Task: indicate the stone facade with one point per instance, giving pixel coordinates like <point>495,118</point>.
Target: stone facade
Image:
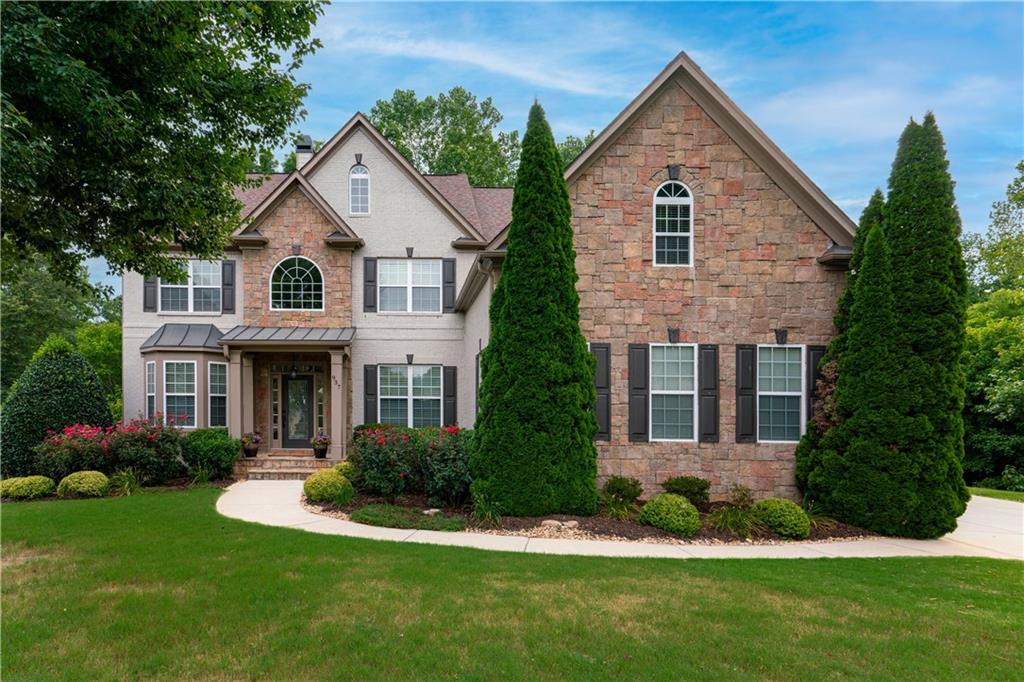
<point>296,222</point>
<point>754,270</point>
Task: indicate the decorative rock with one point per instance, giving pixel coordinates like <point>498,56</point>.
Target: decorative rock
<point>431,512</point>
<point>551,523</point>
<point>571,524</point>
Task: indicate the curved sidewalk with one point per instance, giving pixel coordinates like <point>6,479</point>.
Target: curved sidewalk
<point>989,528</point>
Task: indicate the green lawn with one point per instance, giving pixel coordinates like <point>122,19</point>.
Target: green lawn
<point>160,586</point>
<point>998,494</point>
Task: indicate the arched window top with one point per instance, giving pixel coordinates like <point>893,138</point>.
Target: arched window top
<point>296,284</point>
<point>673,190</point>
<point>359,190</point>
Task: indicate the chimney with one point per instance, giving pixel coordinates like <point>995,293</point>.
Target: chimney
<point>303,151</point>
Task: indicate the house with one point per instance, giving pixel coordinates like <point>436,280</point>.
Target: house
<point>356,290</point>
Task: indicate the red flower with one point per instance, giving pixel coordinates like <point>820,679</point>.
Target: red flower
<point>401,475</point>
<point>381,441</point>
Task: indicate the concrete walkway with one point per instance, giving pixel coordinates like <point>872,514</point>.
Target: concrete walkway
<point>989,528</point>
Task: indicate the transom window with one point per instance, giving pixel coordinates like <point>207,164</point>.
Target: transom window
<point>296,284</point>
<point>180,392</point>
<point>359,190</point>
<point>150,391</point>
<point>409,395</point>
<point>409,285</point>
<point>673,225</point>
<point>673,388</point>
<point>199,293</point>
<point>780,388</point>
<point>218,385</point>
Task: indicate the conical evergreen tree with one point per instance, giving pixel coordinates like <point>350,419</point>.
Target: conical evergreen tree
<point>534,452</point>
<point>929,286</point>
<point>871,217</point>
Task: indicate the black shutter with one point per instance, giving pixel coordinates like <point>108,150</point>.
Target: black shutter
<point>814,356</point>
<point>369,394</point>
<point>227,286</point>
<point>746,393</point>
<point>707,393</point>
<point>149,293</point>
<point>451,396</point>
<point>369,285</point>
<point>639,395</point>
<point>448,285</point>
<point>602,353</point>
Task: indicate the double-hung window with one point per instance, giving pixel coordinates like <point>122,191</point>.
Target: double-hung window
<point>180,392</point>
<point>200,292</point>
<point>673,225</point>
<point>780,393</point>
<point>150,391</point>
<point>409,285</point>
<point>673,391</point>
<point>409,395</point>
<point>218,389</point>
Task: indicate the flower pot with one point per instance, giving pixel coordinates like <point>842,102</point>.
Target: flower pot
<point>320,453</point>
<point>250,450</point>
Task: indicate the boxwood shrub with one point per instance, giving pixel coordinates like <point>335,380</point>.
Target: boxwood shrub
<point>328,485</point>
<point>212,451</point>
<point>84,484</point>
<point>693,488</point>
<point>671,513</point>
<point>783,517</point>
<point>26,487</point>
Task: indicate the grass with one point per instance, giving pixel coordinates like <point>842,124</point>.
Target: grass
<point>393,516</point>
<point>1011,495</point>
<point>158,585</point>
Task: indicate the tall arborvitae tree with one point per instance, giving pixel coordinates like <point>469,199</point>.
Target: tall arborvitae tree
<point>534,452</point>
<point>929,286</point>
<point>871,217</point>
<point>869,464</point>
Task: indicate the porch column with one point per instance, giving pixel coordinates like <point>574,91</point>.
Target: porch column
<point>339,406</point>
<point>235,396</point>
<point>248,389</point>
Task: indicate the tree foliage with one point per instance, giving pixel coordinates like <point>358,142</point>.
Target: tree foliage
<point>995,260</point>
<point>534,450</point>
<point>573,146</point>
<point>127,124</point>
<point>448,134</point>
<point>100,345</point>
<point>58,389</point>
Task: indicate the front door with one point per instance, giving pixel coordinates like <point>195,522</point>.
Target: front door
<point>298,411</point>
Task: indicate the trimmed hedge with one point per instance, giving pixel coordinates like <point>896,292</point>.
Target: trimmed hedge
<point>328,485</point>
<point>57,389</point>
<point>671,513</point>
<point>695,489</point>
<point>84,484</point>
<point>783,517</point>
<point>26,487</point>
<point>211,450</point>
<point>623,488</point>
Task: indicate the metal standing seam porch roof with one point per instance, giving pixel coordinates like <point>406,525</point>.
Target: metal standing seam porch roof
<point>183,337</point>
<point>245,335</point>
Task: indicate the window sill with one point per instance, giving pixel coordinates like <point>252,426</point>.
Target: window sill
<point>171,313</point>
<point>397,313</point>
<point>673,440</point>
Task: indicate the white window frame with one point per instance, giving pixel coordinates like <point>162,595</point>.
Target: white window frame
<point>210,395</point>
<point>190,288</point>
<point>652,392</point>
<point>670,201</point>
<point>323,287</point>
<point>151,390</point>
<point>409,396</point>
<point>352,177</point>
<point>803,391</point>
<point>195,387</point>
<point>409,286</point>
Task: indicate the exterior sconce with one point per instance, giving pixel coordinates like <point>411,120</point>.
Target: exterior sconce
<point>673,335</point>
<point>780,336</point>
<point>408,359</point>
<point>408,252</point>
<point>359,159</point>
<point>673,172</point>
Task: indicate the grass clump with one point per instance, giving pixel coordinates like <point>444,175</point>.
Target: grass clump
<point>392,516</point>
<point>671,513</point>
<point>736,517</point>
<point>124,483</point>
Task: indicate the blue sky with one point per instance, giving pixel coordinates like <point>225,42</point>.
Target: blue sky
<point>832,83</point>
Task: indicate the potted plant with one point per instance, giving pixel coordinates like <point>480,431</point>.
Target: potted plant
<point>251,444</point>
<point>320,443</point>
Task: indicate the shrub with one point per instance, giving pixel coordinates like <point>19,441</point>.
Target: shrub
<point>152,451</point>
<point>672,513</point>
<point>734,520</point>
<point>212,450</point>
<point>622,488</point>
<point>783,517</point>
<point>348,470</point>
<point>57,389</point>
<point>391,516</point>
<point>26,487</point>
<point>385,457</point>
<point>328,485</point>
<point>446,466</point>
<point>124,483</point>
<point>1011,479</point>
<point>83,484</point>
<point>617,508</point>
<point>76,448</point>
<point>694,489</point>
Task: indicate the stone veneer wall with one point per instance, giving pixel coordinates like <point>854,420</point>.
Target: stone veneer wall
<point>297,222</point>
<point>754,271</point>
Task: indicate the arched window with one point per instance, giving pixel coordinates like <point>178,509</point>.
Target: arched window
<point>673,225</point>
<point>359,190</point>
<point>296,284</point>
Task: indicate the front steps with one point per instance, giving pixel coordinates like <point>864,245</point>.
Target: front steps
<point>279,467</point>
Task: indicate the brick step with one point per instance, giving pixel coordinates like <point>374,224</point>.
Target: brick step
<point>280,468</point>
<point>280,474</point>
